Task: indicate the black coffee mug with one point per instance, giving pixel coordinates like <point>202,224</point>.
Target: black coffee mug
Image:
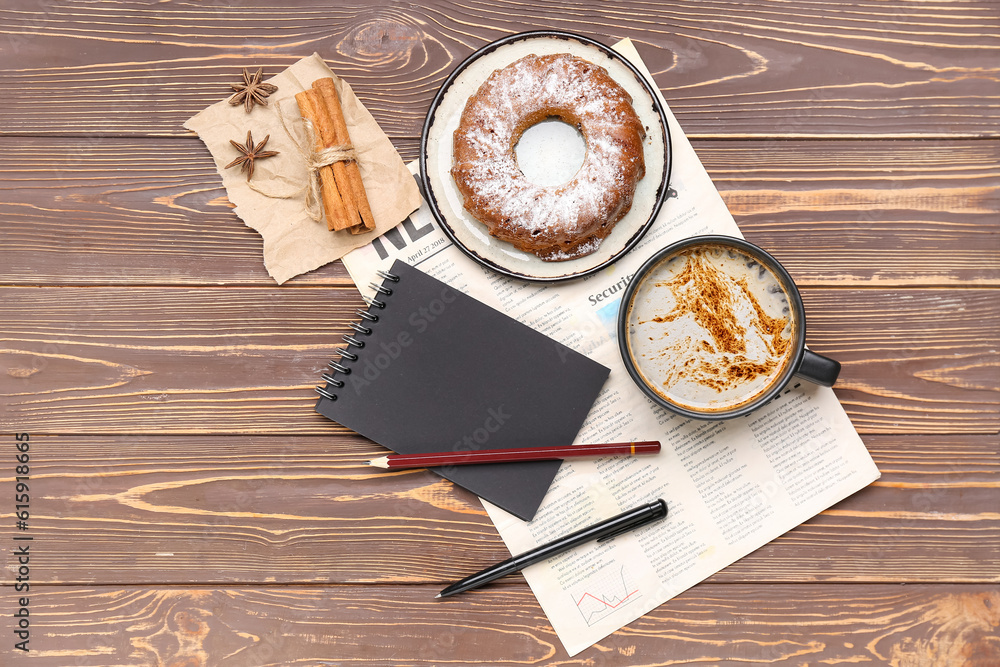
<point>713,327</point>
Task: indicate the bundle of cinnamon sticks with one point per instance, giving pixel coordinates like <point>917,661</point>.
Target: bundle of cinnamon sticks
<point>344,199</point>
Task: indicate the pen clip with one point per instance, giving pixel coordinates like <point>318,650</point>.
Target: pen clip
<point>659,513</point>
<point>623,529</point>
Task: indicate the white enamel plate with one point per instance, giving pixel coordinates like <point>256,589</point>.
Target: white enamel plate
<point>437,145</point>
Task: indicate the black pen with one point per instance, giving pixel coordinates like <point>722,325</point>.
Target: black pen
<point>601,532</point>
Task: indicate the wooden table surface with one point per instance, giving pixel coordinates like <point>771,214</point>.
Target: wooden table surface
<point>188,507</point>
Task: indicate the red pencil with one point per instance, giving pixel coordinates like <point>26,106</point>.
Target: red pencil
<point>395,461</point>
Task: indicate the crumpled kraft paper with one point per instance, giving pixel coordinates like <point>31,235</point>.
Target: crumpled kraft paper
<point>294,243</point>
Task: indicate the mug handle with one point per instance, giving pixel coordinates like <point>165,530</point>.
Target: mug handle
<point>819,369</point>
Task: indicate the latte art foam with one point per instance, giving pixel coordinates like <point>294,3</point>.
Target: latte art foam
<point>710,328</point>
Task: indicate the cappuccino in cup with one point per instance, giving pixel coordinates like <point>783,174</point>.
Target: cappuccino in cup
<point>713,327</point>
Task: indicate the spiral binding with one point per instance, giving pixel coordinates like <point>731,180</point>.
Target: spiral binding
<point>351,340</point>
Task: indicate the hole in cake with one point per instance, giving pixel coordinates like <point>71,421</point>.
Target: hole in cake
<point>550,152</point>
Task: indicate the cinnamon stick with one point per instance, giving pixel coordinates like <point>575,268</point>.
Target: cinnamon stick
<point>352,174</point>
<point>335,208</point>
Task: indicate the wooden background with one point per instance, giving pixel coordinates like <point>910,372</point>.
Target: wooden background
<point>189,508</point>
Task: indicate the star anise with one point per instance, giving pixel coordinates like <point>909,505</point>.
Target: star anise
<point>250,153</point>
<point>252,90</point>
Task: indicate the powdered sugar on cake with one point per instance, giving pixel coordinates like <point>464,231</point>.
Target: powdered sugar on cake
<point>555,222</point>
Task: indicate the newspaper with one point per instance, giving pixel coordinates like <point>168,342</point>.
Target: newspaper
<point>730,486</point>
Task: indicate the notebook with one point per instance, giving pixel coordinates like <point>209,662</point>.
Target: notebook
<point>428,369</point>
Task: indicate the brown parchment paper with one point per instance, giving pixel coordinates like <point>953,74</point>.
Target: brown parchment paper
<point>294,243</point>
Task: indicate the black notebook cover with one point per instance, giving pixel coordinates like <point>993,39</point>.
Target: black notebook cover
<point>440,371</point>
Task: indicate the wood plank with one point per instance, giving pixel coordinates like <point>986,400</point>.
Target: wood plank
<point>206,510</point>
<point>502,625</point>
<point>728,69</point>
<point>123,211</point>
<point>867,214</point>
<point>900,358</point>
<point>244,360</point>
<point>932,489</point>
